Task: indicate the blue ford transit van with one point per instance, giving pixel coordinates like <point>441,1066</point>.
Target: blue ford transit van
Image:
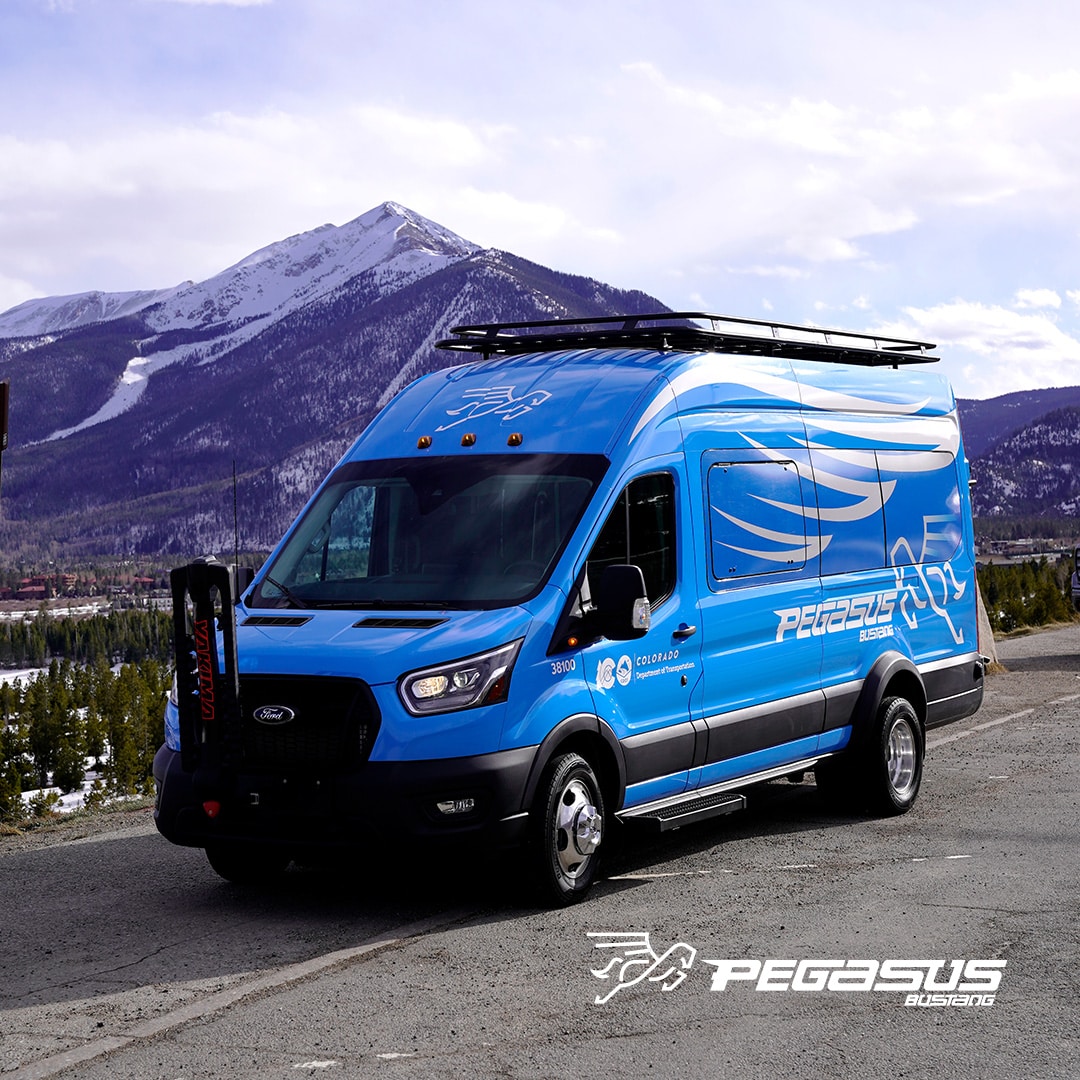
<point>606,571</point>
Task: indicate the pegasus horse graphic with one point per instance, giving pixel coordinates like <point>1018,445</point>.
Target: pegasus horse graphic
<point>635,960</point>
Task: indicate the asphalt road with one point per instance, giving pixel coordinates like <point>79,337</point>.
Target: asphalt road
<point>124,956</point>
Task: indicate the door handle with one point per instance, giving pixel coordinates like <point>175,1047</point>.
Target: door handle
<point>683,631</point>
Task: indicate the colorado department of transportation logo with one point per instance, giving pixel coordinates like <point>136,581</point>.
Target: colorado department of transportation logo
<point>608,672</point>
<point>274,714</point>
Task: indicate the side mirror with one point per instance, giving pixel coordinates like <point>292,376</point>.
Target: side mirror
<point>622,603</point>
<point>245,575</point>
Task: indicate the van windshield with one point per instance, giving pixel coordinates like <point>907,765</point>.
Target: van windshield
<point>439,532</point>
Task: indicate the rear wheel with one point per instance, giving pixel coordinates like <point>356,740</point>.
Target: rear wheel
<point>882,772</point>
<point>569,829</point>
<point>245,864</point>
<point>896,765</point>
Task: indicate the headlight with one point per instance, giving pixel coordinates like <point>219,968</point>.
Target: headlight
<point>461,684</point>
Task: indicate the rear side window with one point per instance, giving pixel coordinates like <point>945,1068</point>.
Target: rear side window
<point>641,530</point>
<point>849,495</point>
<point>922,505</point>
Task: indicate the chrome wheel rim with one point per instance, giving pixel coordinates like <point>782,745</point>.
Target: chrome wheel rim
<point>578,829</point>
<point>901,758</point>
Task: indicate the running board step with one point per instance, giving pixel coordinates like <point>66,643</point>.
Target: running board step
<point>686,813</point>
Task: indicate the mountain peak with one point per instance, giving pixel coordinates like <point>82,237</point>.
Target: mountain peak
<point>390,240</point>
<point>413,229</point>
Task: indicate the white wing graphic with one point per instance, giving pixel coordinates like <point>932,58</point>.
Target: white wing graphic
<point>634,960</point>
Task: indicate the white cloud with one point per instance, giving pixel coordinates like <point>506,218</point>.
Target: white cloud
<point>13,292</point>
<point>791,273</point>
<point>817,179</point>
<point>1036,298</point>
<point>1013,350</point>
<point>184,200</point>
<point>501,219</point>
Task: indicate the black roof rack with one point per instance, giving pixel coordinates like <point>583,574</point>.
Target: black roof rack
<point>674,330</point>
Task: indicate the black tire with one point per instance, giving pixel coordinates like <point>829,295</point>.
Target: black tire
<point>247,864</point>
<point>895,758</point>
<point>568,829</point>
<point>882,772</point>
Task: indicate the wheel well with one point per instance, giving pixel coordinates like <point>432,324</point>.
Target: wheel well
<point>907,685</point>
<point>592,747</point>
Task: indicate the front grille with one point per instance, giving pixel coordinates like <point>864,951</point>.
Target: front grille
<point>333,726</point>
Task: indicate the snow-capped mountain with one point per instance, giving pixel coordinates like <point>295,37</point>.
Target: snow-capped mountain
<point>125,428</point>
<point>392,245</point>
<point>54,314</point>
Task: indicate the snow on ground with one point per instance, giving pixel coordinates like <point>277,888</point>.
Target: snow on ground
<point>91,606</point>
<point>73,800</point>
<point>26,673</point>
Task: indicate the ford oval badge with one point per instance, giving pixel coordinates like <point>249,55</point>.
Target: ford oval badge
<point>274,714</point>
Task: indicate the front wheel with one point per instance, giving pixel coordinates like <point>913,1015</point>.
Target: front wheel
<point>569,829</point>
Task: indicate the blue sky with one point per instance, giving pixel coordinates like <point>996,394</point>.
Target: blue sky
<point>913,168</point>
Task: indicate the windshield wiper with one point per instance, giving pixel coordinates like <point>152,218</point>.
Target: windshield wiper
<point>285,591</point>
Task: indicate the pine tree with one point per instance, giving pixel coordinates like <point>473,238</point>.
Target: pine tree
<point>11,809</point>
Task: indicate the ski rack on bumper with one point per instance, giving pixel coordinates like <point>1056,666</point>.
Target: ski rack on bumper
<point>208,693</point>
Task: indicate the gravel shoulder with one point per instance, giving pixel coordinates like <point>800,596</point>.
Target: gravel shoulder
<point>80,827</point>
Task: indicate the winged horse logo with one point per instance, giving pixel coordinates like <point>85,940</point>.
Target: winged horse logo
<point>634,960</point>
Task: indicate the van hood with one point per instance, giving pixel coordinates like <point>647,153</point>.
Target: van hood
<point>376,646</point>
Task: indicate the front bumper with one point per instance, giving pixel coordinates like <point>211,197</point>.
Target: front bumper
<point>379,803</point>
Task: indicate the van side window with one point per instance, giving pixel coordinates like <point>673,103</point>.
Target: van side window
<point>757,519</point>
<point>641,530</point>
